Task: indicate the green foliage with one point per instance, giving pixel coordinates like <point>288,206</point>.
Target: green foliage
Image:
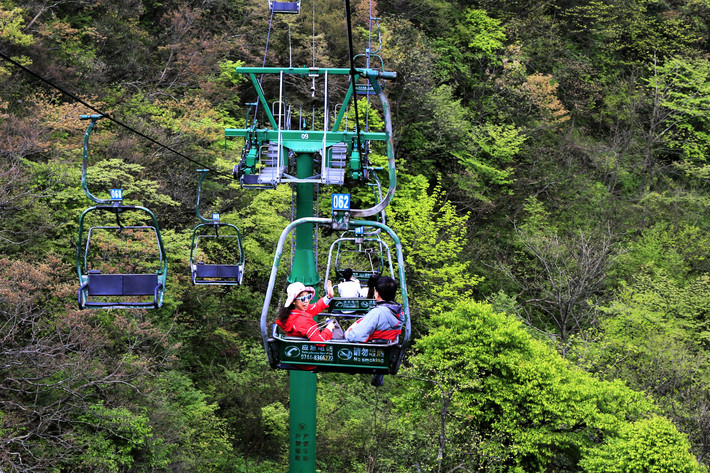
<point>228,72</point>
<point>473,45</point>
<point>119,436</point>
<point>631,33</point>
<point>683,86</point>
<point>655,335</point>
<point>115,173</point>
<point>432,235</point>
<point>498,393</point>
<point>275,419</point>
<point>11,26</point>
<point>75,45</point>
<point>251,398</point>
<point>358,428</point>
<point>685,304</point>
<point>189,433</point>
<point>368,115</point>
<point>442,129</point>
<point>559,276</point>
<point>24,223</point>
<point>647,445</point>
<point>488,165</point>
<point>482,35</point>
<point>677,252</point>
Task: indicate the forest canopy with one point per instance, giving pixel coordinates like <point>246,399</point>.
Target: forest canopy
<point>552,201</point>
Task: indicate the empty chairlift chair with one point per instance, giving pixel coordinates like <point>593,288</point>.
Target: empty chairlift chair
<point>121,265</point>
<point>336,162</point>
<point>229,267</point>
<point>272,164</point>
<point>106,282</point>
<point>216,252</point>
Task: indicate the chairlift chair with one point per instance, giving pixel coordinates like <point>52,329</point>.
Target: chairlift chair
<point>366,248</point>
<point>374,357</point>
<point>216,274</point>
<point>102,283</point>
<point>285,7</point>
<point>225,267</point>
<point>108,288</point>
<point>369,249</point>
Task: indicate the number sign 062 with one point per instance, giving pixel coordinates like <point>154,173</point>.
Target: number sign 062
<point>341,201</point>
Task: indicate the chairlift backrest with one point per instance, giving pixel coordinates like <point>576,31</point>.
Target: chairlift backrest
<point>285,7</point>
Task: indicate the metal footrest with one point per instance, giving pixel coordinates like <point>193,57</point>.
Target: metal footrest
<point>335,168</point>
<point>272,171</point>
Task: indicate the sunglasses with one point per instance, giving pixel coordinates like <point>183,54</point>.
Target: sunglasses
<point>305,298</point>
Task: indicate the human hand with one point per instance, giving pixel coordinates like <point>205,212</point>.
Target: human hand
<point>331,325</point>
<point>329,289</point>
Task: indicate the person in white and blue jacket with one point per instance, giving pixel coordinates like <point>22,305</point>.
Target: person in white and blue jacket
<point>384,321</point>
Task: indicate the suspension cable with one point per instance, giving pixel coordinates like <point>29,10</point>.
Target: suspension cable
<point>105,115</point>
<point>263,62</point>
<point>353,72</point>
<point>313,48</point>
<point>367,65</point>
<point>313,34</point>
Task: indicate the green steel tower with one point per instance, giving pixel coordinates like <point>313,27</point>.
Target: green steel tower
<point>319,155</point>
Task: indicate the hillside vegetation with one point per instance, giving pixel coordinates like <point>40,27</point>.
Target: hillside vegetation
<point>553,200</point>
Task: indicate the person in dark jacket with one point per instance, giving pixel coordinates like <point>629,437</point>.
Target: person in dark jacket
<point>383,322</point>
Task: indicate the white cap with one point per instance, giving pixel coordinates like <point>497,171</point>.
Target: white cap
<point>294,289</point>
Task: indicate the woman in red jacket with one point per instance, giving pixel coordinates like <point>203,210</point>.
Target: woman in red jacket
<point>296,316</point>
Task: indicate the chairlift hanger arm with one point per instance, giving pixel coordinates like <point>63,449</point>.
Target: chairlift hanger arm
<point>353,71</point>
<point>379,35</point>
<point>390,158</point>
<point>199,193</point>
<point>85,159</point>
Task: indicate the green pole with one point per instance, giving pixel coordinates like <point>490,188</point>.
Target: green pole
<point>303,384</point>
